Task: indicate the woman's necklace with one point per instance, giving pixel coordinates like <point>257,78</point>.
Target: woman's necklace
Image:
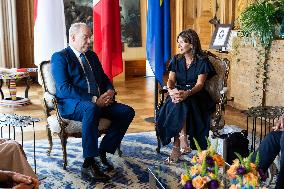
<point>188,62</point>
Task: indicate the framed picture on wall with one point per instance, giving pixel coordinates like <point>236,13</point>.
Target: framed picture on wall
<point>220,36</point>
<point>78,11</point>
<point>130,18</point>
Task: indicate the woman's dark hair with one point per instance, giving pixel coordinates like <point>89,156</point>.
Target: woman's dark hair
<point>190,36</point>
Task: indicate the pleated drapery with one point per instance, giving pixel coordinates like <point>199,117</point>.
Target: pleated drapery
<point>9,55</point>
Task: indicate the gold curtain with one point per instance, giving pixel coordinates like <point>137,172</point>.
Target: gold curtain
<point>9,55</point>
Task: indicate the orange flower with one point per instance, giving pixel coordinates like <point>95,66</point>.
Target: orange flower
<point>236,162</point>
<point>253,166</point>
<point>234,186</point>
<point>232,171</point>
<point>195,170</point>
<point>219,160</point>
<point>199,182</point>
<point>202,156</point>
<point>251,179</point>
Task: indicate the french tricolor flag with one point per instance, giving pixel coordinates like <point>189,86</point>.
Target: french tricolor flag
<point>107,36</point>
<point>49,29</point>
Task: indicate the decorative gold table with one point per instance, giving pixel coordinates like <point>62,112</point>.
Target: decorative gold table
<point>11,76</point>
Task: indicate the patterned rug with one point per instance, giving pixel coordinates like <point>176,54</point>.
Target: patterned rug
<point>139,153</point>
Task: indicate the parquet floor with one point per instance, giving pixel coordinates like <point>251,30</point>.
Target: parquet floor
<point>137,92</point>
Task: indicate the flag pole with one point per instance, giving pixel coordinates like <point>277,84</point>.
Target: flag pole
<point>152,119</point>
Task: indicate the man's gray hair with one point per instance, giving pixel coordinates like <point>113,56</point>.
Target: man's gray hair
<point>74,28</point>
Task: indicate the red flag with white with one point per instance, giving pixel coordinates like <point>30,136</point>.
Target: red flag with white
<point>49,29</point>
<point>107,36</point>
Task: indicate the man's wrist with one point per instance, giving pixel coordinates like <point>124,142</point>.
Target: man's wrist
<point>94,99</point>
<point>188,93</point>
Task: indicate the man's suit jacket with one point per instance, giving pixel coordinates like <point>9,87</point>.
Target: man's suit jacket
<point>70,80</point>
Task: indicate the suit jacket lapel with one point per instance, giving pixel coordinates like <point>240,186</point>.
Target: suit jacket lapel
<point>74,59</point>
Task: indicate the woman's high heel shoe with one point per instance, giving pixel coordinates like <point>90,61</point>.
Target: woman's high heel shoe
<point>174,157</point>
<point>184,149</point>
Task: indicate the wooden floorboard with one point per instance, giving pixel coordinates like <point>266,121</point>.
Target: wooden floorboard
<point>137,92</point>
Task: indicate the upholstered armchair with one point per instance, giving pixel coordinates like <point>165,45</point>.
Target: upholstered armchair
<point>57,125</point>
<point>217,88</point>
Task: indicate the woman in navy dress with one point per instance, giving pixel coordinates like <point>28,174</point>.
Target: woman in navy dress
<point>188,107</point>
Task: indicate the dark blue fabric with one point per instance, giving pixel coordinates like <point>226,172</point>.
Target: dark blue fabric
<point>70,80</point>
<point>90,75</point>
<point>196,109</point>
<point>121,116</point>
<point>269,148</point>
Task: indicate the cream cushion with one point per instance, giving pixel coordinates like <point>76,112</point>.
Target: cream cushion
<point>73,126</point>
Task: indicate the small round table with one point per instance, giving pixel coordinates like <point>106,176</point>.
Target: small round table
<point>11,78</point>
<point>13,121</point>
<point>266,115</point>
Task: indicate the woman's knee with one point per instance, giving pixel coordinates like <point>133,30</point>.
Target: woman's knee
<point>14,146</point>
<point>130,112</point>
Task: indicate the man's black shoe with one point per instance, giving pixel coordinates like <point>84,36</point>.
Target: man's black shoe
<point>106,164</point>
<point>94,173</point>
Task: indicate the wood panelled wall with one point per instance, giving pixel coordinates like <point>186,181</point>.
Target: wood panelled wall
<point>25,24</point>
<point>196,14</point>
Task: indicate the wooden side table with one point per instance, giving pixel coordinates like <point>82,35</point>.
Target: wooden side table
<point>11,77</point>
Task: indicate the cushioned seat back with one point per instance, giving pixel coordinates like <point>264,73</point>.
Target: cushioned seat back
<point>48,81</point>
<point>216,85</point>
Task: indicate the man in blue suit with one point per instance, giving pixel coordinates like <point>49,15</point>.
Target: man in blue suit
<point>84,93</point>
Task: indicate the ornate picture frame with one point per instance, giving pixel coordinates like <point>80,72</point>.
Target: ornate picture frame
<point>221,36</point>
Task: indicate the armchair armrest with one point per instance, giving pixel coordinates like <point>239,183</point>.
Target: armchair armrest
<point>51,103</point>
<point>49,100</point>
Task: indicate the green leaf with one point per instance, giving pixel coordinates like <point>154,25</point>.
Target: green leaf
<point>203,167</point>
<point>239,179</point>
<point>187,170</point>
<point>257,159</point>
<point>247,163</point>
<point>208,142</point>
<point>216,170</point>
<point>259,21</point>
<point>197,145</point>
<point>240,158</point>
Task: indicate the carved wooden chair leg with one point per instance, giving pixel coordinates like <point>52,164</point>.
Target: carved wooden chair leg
<point>49,137</point>
<point>63,139</point>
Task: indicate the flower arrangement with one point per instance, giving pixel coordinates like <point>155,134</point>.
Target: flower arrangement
<point>245,174</point>
<point>204,170</point>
